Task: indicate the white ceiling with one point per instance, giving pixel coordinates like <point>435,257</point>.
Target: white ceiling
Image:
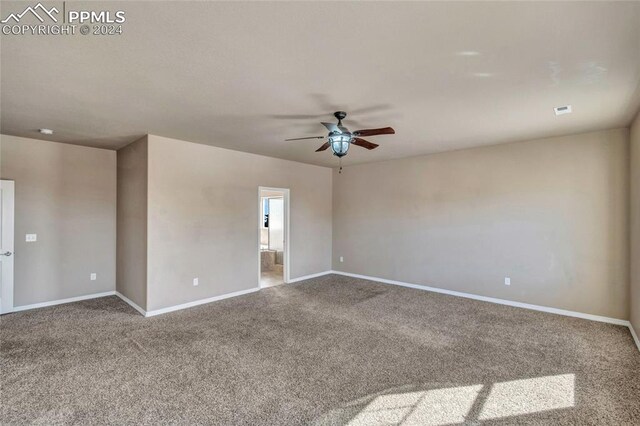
<point>224,73</point>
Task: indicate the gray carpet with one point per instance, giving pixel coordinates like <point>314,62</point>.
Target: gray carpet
<point>332,350</point>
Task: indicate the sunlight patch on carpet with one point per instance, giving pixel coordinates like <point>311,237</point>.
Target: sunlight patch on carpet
<point>454,405</point>
<point>528,396</point>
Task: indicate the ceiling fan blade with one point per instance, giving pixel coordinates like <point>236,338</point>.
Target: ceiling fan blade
<point>323,147</point>
<point>332,127</point>
<point>373,132</point>
<point>363,143</point>
<point>310,137</point>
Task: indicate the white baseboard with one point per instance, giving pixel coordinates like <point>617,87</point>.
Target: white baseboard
<point>62,301</point>
<point>492,299</point>
<point>348,274</point>
<point>634,335</point>
<point>308,277</point>
<point>131,303</point>
<point>199,302</point>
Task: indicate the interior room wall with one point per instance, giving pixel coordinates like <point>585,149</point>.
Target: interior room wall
<point>66,194</point>
<point>203,212</point>
<point>131,271</point>
<point>635,223</point>
<point>550,214</point>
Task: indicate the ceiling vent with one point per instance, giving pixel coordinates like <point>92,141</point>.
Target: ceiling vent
<point>566,109</point>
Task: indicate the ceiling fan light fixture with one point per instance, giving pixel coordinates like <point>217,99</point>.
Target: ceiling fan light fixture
<point>340,144</point>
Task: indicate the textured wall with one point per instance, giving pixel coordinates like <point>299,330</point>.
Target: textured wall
<point>131,268</point>
<point>550,214</point>
<point>203,219</point>
<point>635,224</point>
<point>65,194</point>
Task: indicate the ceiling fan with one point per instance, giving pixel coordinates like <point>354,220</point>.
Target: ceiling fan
<point>340,138</point>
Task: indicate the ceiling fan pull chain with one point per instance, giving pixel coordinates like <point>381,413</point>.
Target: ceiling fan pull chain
<point>340,160</point>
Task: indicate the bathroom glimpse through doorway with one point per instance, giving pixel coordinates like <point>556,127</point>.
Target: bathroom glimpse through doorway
<point>273,231</point>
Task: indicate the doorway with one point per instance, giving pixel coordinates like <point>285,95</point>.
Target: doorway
<point>6,245</point>
<point>273,240</point>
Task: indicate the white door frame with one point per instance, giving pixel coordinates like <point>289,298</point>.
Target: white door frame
<point>287,244</point>
<point>7,204</point>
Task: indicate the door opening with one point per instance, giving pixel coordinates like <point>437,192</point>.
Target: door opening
<point>273,230</point>
<point>6,245</point>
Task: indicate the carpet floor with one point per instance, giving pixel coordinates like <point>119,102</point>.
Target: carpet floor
<point>329,351</point>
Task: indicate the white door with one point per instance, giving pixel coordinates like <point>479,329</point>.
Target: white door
<point>276,224</point>
<point>6,246</point>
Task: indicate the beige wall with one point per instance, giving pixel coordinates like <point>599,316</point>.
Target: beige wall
<point>131,268</point>
<point>550,214</point>
<point>66,195</point>
<point>635,223</point>
<point>203,219</point>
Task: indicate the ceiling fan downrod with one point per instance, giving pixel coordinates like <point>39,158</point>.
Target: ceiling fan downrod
<point>340,115</point>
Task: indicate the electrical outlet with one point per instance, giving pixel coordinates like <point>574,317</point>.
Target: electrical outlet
<point>507,281</point>
<point>94,276</point>
<point>30,238</point>
<point>196,281</point>
<point>341,259</point>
